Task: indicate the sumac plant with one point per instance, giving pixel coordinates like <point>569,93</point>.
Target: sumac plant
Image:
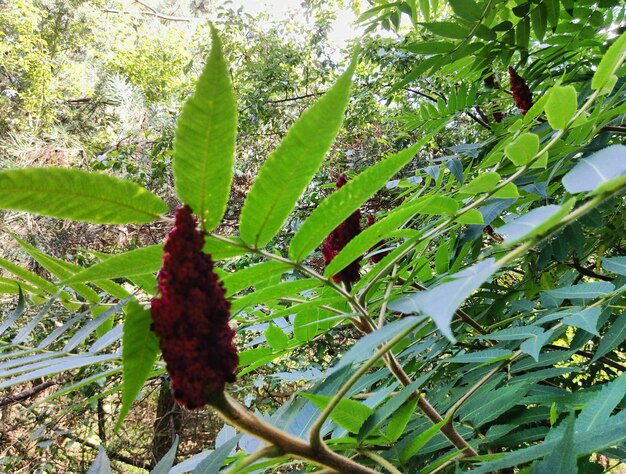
<point>488,335</point>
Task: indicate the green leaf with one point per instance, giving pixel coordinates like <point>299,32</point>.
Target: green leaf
<point>597,412</point>
<point>596,169</point>
<point>563,459</point>
<point>305,324</point>
<point>431,47</point>
<point>612,338</point>
<point>609,64</point>
<point>417,443</point>
<point>514,334</point>
<point>349,414</point>
<point>466,9</point>
<point>539,17</point>
<point>561,106</point>
<point>532,223</point>
<point>276,338</point>
<point>615,265</point>
<point>522,33</point>
<point>333,210</point>
<point>441,302</point>
<point>366,346</point>
<point>167,461</point>
<point>372,235</point>
<point>33,279</point>
<point>484,407</point>
<point>59,269</point>
<point>473,216</point>
<point>447,29</point>
<point>215,460</point>
<point>391,406</point>
<point>397,424</point>
<point>252,275</point>
<point>204,146</point>
<point>123,265</point>
<point>289,169</point>
<point>78,195</point>
<point>587,320</point>
<point>523,149</point>
<point>139,352</point>
<point>278,291</point>
<point>483,357</point>
<point>533,345</point>
<point>484,182</point>
<point>582,291</point>
<point>552,12</point>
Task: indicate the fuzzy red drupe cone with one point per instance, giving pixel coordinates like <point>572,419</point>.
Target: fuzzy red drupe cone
<point>190,317</point>
<point>339,238</point>
<point>521,92</point>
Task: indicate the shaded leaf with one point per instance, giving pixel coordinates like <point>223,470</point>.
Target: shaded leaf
<point>596,169</point>
<point>441,302</point>
<point>101,465</point>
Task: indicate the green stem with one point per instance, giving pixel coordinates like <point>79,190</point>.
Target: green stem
<point>314,436</point>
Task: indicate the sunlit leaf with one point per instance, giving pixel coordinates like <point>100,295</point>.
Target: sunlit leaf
<point>204,146</point>
<point>289,169</point>
<point>78,195</point>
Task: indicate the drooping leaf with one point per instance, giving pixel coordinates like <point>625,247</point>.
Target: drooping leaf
<point>289,169</point>
<point>78,195</point>
<point>533,345</point>
<point>596,169</point>
<point>466,9</point>
<point>612,338</point>
<point>587,320</point>
<point>140,350</point>
<point>204,146</point>
<point>441,302</point>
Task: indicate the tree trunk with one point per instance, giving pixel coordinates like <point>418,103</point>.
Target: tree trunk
<point>167,423</point>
